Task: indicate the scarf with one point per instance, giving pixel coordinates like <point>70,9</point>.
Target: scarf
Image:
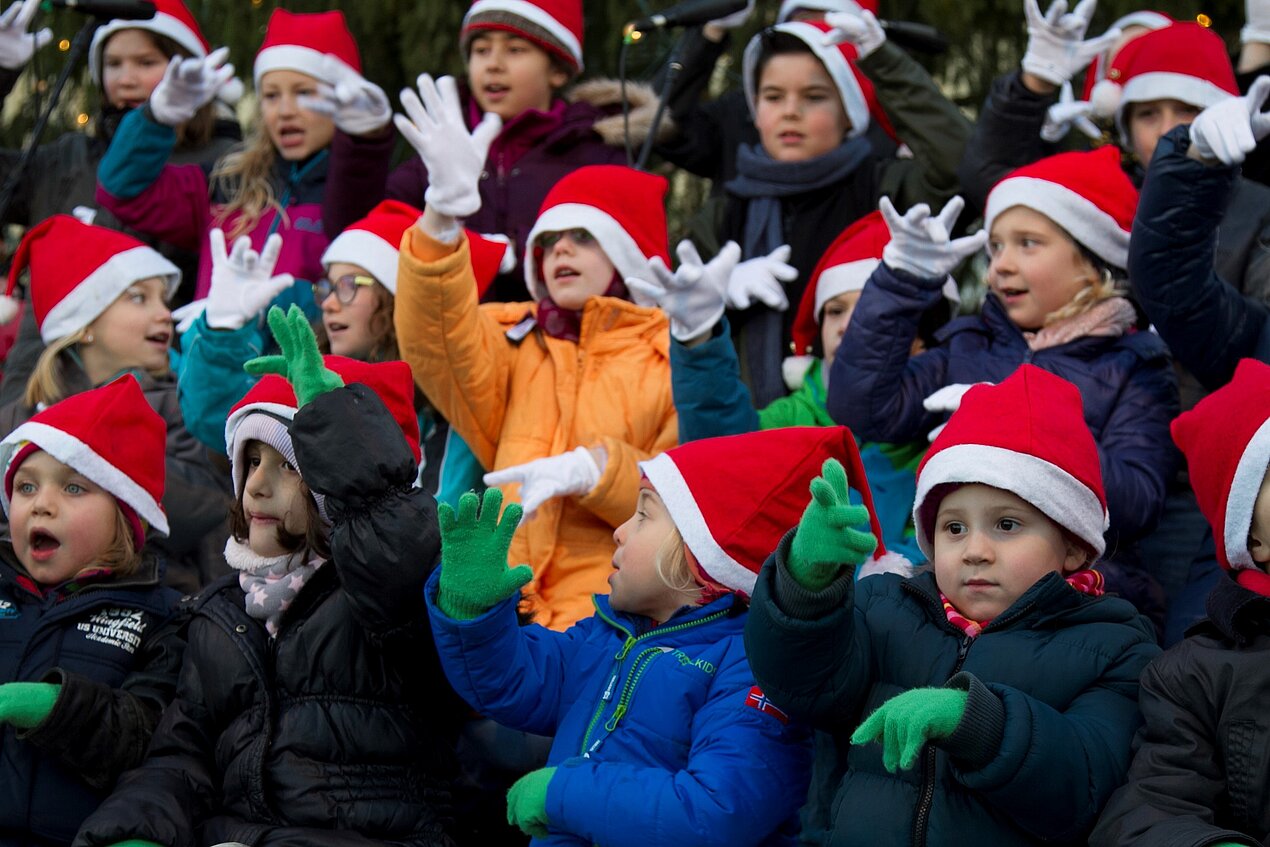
<point>1254,580</point>
<point>1110,318</point>
<point>764,182</point>
<point>566,324</point>
<point>1086,581</point>
<point>271,583</point>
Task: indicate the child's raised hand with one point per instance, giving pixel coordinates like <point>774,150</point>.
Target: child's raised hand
<point>1229,130</point>
<point>1056,49</point>
<point>16,44</point>
<point>454,157</point>
<point>27,704</point>
<point>474,572</point>
<point>761,280</point>
<point>575,472</point>
<point>693,296</point>
<point>527,803</point>
<point>354,103</point>
<point>301,361</point>
<point>188,85</point>
<point>1068,111</point>
<point>921,245</point>
<point>243,282</point>
<point>860,28</point>
<point>907,721</point>
<point>826,540</point>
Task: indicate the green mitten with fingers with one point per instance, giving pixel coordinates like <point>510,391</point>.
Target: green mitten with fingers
<point>474,573</point>
<point>301,361</point>
<point>826,540</point>
<point>907,721</point>
<point>527,802</point>
<point>26,704</point>
<point>135,842</point>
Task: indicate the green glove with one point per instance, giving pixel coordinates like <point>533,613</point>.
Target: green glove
<point>527,802</point>
<point>26,704</point>
<point>907,721</point>
<point>135,842</point>
<point>301,361</point>
<point>825,541</point>
<point>474,573</point>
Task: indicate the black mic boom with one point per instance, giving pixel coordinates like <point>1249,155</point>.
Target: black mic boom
<point>689,13</point>
<point>130,10</point>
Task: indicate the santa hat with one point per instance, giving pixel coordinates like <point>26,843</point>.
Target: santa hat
<point>374,242</point>
<point>111,436</point>
<point>789,7</point>
<point>1185,62</point>
<point>491,255</point>
<point>854,89</point>
<point>302,42</point>
<point>554,25</point>
<point>734,498</point>
<point>1226,439</point>
<point>171,19</point>
<point>1027,436</point>
<point>624,209</point>
<point>77,271</point>
<point>266,411</point>
<point>1098,67</point>
<point>1088,194</point>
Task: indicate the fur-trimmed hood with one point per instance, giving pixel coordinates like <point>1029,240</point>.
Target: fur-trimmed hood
<point>606,96</point>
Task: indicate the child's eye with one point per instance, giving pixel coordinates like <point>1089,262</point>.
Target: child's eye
<point>25,488</point>
<point>1008,524</point>
<point>287,466</point>
<point>75,488</point>
<point>954,528</point>
<point>1029,242</point>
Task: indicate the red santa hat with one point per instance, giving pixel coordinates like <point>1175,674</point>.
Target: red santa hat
<point>302,42</point>
<point>789,7</point>
<point>1098,67</point>
<point>624,209</point>
<point>1088,194</point>
<point>491,255</point>
<point>554,25</point>
<point>111,436</point>
<point>266,411</point>
<point>734,498</point>
<point>1184,62</point>
<point>374,242</point>
<point>1027,436</point>
<point>1226,439</point>
<point>172,19</point>
<point>77,271</point>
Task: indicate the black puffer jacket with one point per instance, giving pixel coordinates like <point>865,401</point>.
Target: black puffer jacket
<point>1200,776</point>
<point>339,731</point>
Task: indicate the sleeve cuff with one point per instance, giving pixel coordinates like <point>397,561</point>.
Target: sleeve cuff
<point>977,739</point>
<point>799,602</point>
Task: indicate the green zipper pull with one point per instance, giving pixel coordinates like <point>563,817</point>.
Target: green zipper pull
<point>611,723</point>
<point>626,648</point>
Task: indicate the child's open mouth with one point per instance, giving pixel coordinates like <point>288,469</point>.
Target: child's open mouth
<point>159,338</point>
<point>290,136</point>
<point>43,544</point>
<point>566,273</point>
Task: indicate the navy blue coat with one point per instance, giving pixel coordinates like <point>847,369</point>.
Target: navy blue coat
<point>1127,385</point>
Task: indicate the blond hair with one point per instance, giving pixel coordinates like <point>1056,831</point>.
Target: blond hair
<point>45,384</point>
<point>122,558</point>
<point>1103,287</point>
<point>245,177</point>
<point>671,563</point>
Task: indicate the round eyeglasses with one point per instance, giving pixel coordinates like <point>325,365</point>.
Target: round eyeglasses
<point>345,287</point>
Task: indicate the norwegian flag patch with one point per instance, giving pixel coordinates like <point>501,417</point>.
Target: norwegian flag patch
<point>756,699</point>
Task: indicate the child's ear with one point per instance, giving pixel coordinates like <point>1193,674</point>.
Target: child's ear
<point>1077,556</point>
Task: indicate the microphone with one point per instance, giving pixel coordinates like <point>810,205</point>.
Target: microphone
<point>688,13</point>
<point>129,10</point>
<point>914,36</point>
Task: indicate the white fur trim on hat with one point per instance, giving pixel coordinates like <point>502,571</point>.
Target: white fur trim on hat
<point>99,289</point>
<point>1081,218</point>
<point>835,64</point>
<point>161,24</point>
<point>841,279</point>
<point>1164,85</point>
<point>536,15</point>
<point>74,453</point>
<point>295,57</point>
<point>1244,488</point>
<point>618,245</point>
<point>717,564</point>
<point>789,7</point>
<point>365,249</point>
<point>1063,498</point>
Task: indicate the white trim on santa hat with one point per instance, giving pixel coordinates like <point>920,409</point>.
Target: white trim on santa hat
<point>834,62</point>
<point>1092,227</point>
<point>618,244</point>
<point>1245,485</point>
<point>1065,499</point>
<point>74,453</point>
<point>99,289</point>
<point>789,7</point>
<point>673,489</point>
<point>536,15</point>
<point>295,57</point>
<point>364,248</point>
<point>841,279</point>
<point>1168,85</point>
<point>161,24</point>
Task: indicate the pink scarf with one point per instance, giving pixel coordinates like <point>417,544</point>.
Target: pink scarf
<point>1110,318</point>
<point>1086,581</point>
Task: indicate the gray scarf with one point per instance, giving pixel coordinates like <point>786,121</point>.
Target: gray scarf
<point>270,582</point>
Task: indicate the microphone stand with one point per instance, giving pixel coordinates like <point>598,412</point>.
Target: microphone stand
<point>673,67</point>
<point>79,48</point>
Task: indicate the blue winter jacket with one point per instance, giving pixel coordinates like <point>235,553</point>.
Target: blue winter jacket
<point>1127,385</point>
<point>661,737</point>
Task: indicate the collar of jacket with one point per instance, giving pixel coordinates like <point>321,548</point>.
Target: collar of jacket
<point>147,575</point>
<point>622,320</point>
<point>640,626</point>
<point>992,320</point>
<point>1235,612</point>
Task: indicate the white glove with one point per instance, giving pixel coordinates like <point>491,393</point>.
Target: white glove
<point>947,400</point>
<point>759,280</point>
<point>575,472</point>
<point>920,244</point>
<point>188,85</point>
<point>861,29</point>
<point>693,296</point>
<point>1069,111</point>
<point>1229,130</point>
<point>16,44</point>
<point>356,104</point>
<point>454,157</point>
<point>243,283</point>
<point>1256,22</point>
<point>1055,49</point>
<point>736,19</point>
<point>186,315</point>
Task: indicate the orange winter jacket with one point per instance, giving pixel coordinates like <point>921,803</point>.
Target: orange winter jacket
<point>514,401</point>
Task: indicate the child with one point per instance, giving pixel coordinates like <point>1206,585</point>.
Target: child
<point>563,396</point>
<point>661,736</point>
<point>310,709</point>
<point>1058,240</point>
<point>1197,776</point>
<point>1000,671</point>
<point>89,652</point>
<point>100,302</point>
